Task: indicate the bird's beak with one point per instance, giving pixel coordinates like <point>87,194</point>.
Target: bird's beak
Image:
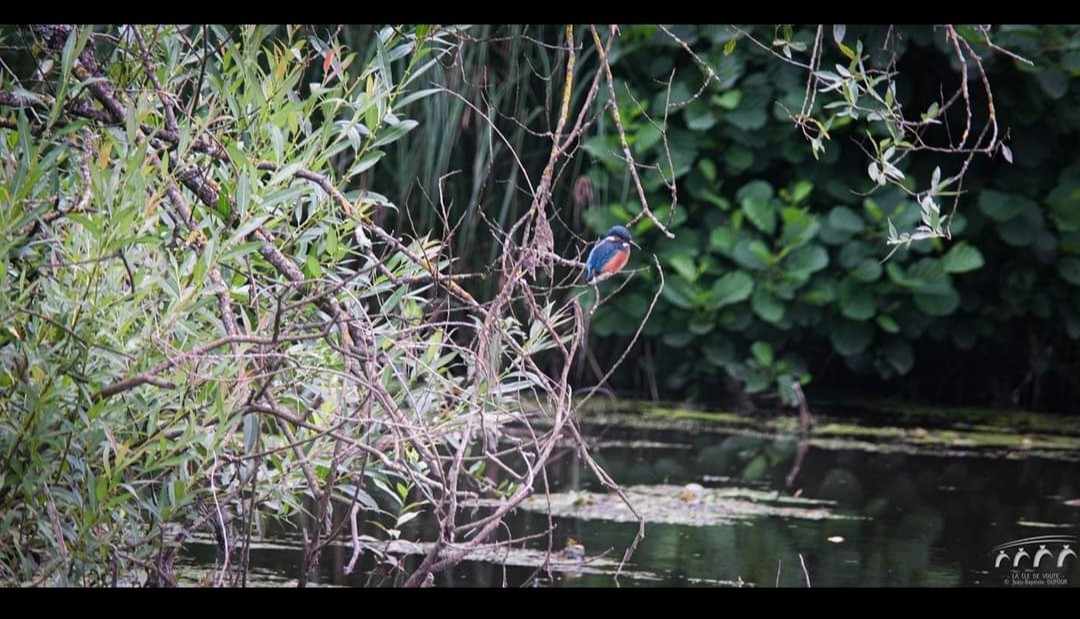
<point>634,244</point>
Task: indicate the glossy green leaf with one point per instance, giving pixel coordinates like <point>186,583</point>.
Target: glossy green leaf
<point>729,100</point>
<point>868,270</point>
<point>938,303</point>
<point>732,288</point>
<point>748,254</point>
<point>856,301</point>
<point>679,293</point>
<point>807,259</point>
<point>766,305</point>
<point>760,212</point>
<point>887,324</point>
<point>1001,206</point>
<point>1020,231</point>
<point>754,381</point>
<point>845,219</point>
<point>962,258</point>
<point>722,239</point>
<point>684,266</point>
<point>763,353</point>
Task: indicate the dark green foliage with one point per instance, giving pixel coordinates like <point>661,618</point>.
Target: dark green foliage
<point>778,245</point>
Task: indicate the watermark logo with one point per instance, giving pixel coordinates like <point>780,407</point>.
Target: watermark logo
<point>1042,561</point>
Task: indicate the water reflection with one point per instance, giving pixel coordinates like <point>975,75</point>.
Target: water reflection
<point>927,520</point>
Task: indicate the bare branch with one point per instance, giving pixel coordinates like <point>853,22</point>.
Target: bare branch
<point>645,211</point>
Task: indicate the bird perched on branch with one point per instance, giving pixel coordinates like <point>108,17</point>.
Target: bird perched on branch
<point>609,255</point>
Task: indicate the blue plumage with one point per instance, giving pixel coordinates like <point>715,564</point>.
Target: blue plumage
<point>609,254</point>
<point>601,252</point>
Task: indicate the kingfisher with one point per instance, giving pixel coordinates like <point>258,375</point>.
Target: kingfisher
<point>609,255</point>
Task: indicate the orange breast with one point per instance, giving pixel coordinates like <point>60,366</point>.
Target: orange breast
<point>617,261</point>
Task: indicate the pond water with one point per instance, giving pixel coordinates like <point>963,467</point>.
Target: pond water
<point>905,501</point>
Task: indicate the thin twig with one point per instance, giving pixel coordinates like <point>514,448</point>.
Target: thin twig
<point>963,83</point>
<point>997,48</point>
<point>633,340</point>
<point>148,66</point>
<point>772,51</point>
<point>645,211</point>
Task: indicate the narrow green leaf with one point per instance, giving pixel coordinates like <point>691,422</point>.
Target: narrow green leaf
<point>243,193</point>
<point>332,242</point>
<point>365,163</point>
<point>312,268</point>
<point>394,133</point>
<point>416,96</point>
